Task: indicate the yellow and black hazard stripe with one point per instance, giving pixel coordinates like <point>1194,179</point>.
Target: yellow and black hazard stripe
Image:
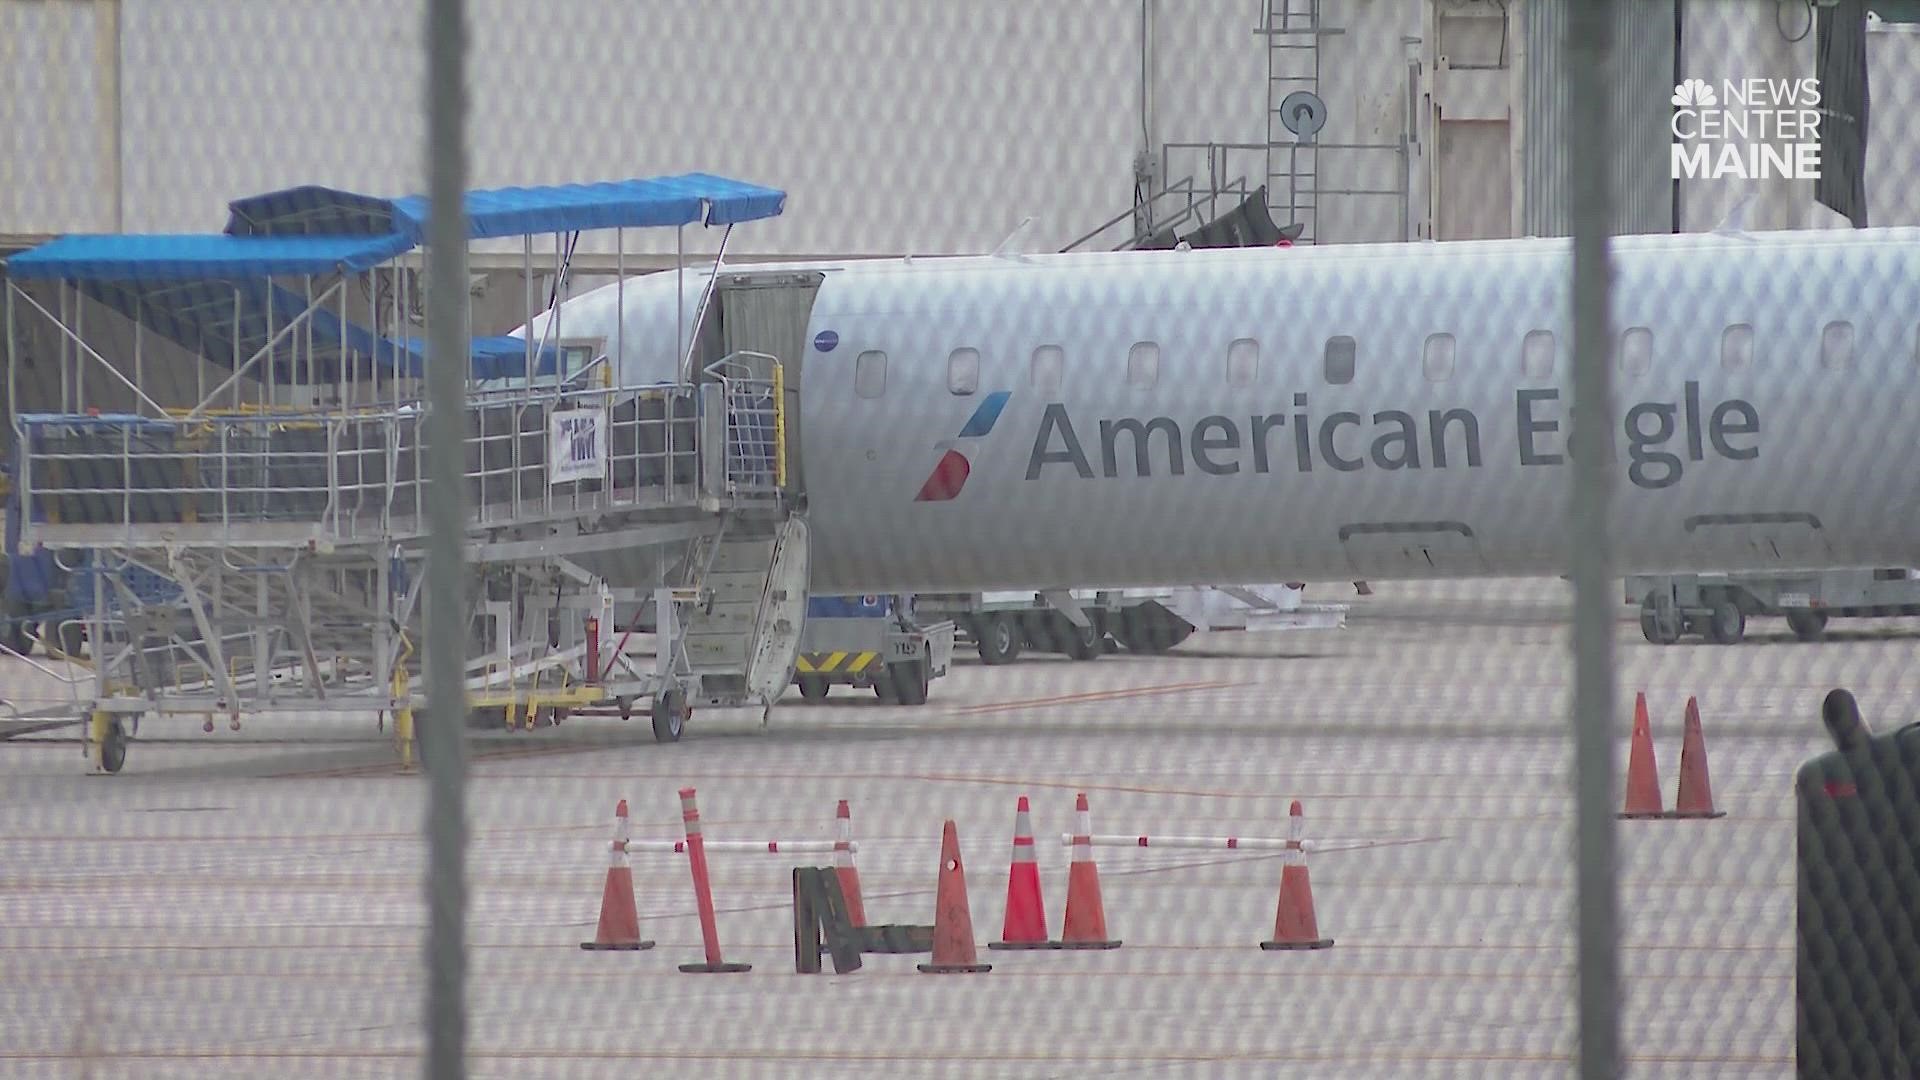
<point>830,663</point>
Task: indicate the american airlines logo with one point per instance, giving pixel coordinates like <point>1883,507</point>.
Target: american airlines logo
<point>950,472</point>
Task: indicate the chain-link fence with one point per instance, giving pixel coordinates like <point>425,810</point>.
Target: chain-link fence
<point>493,643</point>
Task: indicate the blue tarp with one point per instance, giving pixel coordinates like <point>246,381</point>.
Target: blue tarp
<point>172,257</point>
<point>513,211</point>
<point>183,286</point>
<point>199,316</point>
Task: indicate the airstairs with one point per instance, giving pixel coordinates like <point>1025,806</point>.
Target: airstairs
<point>289,541</point>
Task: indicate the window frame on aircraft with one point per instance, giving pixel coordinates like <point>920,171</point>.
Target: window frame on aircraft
<point>1437,357</point>
<point>1736,347</point>
<point>864,368</point>
<point>963,371</point>
<point>1636,361</point>
<point>1339,359</point>
<point>1243,362</point>
<point>1047,368</point>
<point>1830,358</point>
<point>1529,354</point>
<point>1143,356</point>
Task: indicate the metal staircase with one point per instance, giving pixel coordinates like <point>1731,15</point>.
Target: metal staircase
<point>738,627</point>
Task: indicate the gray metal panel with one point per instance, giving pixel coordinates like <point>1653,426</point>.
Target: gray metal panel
<point>769,313</point>
<point>1641,74</point>
<point>1645,41</point>
<point>1544,189</point>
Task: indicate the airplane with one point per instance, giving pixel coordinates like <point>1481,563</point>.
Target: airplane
<point>1363,412</point>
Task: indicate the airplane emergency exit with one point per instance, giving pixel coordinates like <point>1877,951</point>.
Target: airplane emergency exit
<point>1379,411</point>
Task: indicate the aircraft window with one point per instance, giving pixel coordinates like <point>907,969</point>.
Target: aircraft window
<point>870,374</point>
<point>1536,354</point>
<point>1836,345</point>
<point>1243,362</point>
<point>963,371</point>
<point>1143,363</point>
<point>1048,360</point>
<point>1339,360</point>
<point>1636,350</point>
<point>1438,359</point>
<point>1736,347</point>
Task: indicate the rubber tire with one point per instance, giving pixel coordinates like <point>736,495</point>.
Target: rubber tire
<point>1650,625</point>
<point>999,639</point>
<point>813,688</point>
<point>911,682</point>
<point>1728,624</point>
<point>113,749</point>
<point>1807,625</point>
<point>1087,644</point>
<point>670,715</point>
<point>883,687</point>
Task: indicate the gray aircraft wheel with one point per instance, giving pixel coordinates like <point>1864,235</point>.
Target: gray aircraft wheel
<point>1000,639</point>
<point>814,688</point>
<point>1653,628</point>
<point>910,682</point>
<point>113,749</point>
<point>670,713</point>
<point>1807,625</point>
<point>1082,644</point>
<point>1728,624</point>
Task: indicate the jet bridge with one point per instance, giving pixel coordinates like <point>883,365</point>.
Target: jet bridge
<point>282,500</point>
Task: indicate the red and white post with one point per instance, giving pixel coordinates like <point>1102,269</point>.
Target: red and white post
<point>703,893</point>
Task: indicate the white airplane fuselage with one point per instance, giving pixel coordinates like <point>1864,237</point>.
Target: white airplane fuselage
<point>1167,418</point>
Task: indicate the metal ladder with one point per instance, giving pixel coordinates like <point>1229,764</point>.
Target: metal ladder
<point>1293,31</point>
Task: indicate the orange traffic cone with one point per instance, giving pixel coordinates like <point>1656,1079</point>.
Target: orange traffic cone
<point>1085,924</point>
<point>952,922</point>
<point>843,867</point>
<point>1025,926</point>
<point>1294,925</point>
<point>1696,790</point>
<point>619,916</point>
<point>1643,778</point>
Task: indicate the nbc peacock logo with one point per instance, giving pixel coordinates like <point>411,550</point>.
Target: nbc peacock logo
<point>1694,94</point>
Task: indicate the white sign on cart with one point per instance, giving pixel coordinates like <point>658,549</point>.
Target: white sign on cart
<point>577,446</point>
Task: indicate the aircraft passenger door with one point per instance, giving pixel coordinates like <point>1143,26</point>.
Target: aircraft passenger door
<point>1385,549</point>
<point>768,313</point>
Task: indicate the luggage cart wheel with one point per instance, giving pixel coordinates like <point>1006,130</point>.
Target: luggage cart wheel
<point>670,713</point>
<point>113,749</point>
<point>813,688</point>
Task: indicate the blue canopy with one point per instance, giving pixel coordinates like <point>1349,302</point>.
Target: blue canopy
<point>172,257</point>
<point>691,198</point>
<point>210,317</point>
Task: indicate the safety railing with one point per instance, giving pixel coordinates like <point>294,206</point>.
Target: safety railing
<point>744,412</point>
<point>342,476</point>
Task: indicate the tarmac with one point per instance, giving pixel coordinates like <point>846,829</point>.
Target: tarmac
<point>252,903</point>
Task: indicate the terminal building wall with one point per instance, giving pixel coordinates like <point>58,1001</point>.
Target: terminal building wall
<point>898,126</point>
<point>924,126</point>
